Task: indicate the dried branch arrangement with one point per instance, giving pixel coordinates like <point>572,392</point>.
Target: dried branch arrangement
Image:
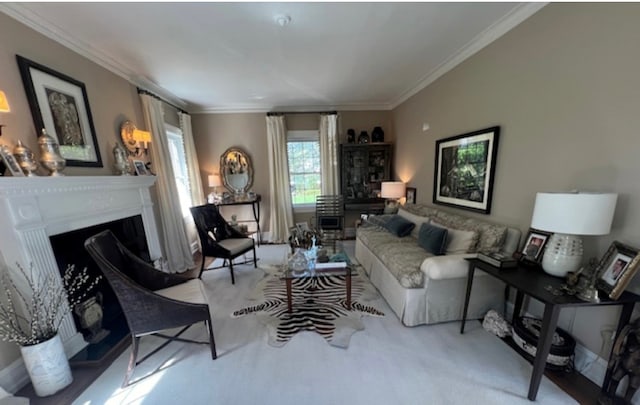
<point>34,316</point>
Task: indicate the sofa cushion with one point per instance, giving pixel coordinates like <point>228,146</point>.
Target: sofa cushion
<point>399,226</point>
<point>433,239</point>
<point>416,219</point>
<point>491,236</point>
<point>459,240</point>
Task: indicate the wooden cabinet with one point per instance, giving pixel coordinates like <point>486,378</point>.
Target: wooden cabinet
<point>363,168</point>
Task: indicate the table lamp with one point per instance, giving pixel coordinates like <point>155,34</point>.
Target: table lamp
<point>214,182</point>
<point>392,191</point>
<point>569,215</point>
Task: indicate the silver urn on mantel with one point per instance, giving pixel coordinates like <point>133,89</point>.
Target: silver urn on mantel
<point>26,159</point>
<point>50,157</point>
<point>121,163</point>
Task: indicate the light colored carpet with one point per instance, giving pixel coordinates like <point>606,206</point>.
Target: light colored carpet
<point>386,363</point>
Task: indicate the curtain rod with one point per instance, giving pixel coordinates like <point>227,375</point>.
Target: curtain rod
<point>148,93</point>
<point>276,113</point>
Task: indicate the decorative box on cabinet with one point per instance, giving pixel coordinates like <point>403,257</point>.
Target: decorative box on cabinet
<point>364,167</point>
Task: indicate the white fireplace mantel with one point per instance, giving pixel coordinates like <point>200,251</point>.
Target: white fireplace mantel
<point>34,208</point>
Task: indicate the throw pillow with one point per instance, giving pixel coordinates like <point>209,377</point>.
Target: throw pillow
<point>416,219</point>
<point>399,226</point>
<point>459,241</point>
<point>433,239</point>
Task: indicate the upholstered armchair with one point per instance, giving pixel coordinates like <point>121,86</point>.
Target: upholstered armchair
<point>151,300</point>
<point>218,239</point>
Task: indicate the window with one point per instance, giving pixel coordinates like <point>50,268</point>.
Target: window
<point>179,164</point>
<point>303,152</point>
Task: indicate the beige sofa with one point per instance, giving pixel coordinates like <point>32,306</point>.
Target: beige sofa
<point>422,288</point>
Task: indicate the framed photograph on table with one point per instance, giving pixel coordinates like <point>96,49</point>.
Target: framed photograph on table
<point>464,170</point>
<point>534,246</point>
<point>60,105</point>
<point>616,269</point>
<point>9,161</point>
<point>141,169</point>
<point>410,195</point>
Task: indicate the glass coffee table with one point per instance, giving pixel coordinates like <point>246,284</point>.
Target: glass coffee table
<point>321,270</point>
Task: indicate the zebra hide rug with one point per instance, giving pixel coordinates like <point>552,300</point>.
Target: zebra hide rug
<point>319,304</point>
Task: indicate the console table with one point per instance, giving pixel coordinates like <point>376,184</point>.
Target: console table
<point>255,207</point>
<point>535,283</point>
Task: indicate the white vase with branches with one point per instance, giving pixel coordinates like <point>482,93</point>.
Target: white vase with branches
<point>31,317</point>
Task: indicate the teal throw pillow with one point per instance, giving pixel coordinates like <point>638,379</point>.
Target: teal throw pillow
<point>433,239</point>
<point>399,226</point>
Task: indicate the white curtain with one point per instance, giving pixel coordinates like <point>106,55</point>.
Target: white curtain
<point>281,210</point>
<point>329,154</point>
<point>197,193</point>
<point>193,172</point>
<point>174,235</point>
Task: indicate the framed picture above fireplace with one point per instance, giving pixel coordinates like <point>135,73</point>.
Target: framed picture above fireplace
<point>60,105</point>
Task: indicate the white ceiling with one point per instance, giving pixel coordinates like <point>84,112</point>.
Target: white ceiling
<point>220,57</point>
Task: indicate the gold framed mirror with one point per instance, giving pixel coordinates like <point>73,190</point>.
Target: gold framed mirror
<point>236,170</point>
<point>127,129</point>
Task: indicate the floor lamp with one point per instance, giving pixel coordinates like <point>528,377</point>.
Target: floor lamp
<point>569,215</point>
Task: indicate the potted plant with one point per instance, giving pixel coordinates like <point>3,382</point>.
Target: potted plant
<point>31,316</point>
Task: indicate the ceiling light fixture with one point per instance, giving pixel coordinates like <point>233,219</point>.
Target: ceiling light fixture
<point>283,20</point>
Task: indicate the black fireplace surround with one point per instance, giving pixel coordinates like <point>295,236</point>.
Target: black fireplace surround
<point>68,249</point>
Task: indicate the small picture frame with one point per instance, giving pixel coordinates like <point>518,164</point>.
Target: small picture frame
<point>364,216</point>
<point>141,169</point>
<point>410,195</point>
<point>616,269</point>
<point>10,162</point>
<point>534,245</point>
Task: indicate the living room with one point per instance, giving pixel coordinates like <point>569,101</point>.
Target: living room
<point>562,85</point>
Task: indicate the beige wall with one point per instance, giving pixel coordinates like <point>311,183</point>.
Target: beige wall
<point>215,133</point>
<point>111,100</point>
<point>563,86</point>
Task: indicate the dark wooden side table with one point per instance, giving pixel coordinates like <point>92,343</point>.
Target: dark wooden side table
<point>255,206</point>
<point>535,283</point>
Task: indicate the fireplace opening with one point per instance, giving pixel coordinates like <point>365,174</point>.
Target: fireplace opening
<point>102,333</point>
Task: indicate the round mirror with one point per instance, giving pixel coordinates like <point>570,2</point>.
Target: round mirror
<point>236,170</point>
<point>126,132</point>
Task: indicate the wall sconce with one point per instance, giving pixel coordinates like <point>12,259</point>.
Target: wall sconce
<point>135,140</point>
<point>4,106</point>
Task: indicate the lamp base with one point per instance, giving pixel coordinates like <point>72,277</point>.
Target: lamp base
<point>562,255</point>
<point>391,206</point>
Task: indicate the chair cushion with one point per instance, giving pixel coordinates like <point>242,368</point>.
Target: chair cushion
<point>237,245</point>
<point>433,239</point>
<point>191,291</point>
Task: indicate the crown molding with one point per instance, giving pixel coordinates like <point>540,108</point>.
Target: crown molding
<point>310,109</point>
<point>21,13</point>
<point>493,32</point>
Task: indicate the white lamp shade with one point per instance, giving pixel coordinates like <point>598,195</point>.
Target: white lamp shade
<point>574,213</point>
<point>214,180</point>
<point>392,189</point>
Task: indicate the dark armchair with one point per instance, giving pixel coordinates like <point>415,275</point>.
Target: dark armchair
<point>219,239</point>
<point>151,300</point>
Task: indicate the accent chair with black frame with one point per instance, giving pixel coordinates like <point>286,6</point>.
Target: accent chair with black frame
<point>330,218</point>
<point>218,239</point>
<point>151,300</point>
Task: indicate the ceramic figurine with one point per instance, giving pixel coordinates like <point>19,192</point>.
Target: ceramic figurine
<point>351,136</point>
<point>121,163</point>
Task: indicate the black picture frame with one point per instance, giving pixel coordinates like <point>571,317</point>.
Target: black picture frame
<point>60,105</point>
<point>410,195</point>
<point>534,246</point>
<point>616,269</point>
<point>464,170</point>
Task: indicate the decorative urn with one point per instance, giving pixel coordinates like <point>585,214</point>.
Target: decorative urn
<point>50,154</point>
<point>26,159</point>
